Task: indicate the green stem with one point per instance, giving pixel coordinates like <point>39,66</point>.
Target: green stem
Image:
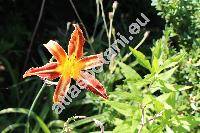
<point>33,105</point>
<point>35,100</point>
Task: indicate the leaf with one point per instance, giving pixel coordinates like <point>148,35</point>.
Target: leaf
<point>141,58</point>
<point>126,96</point>
<point>182,87</point>
<point>26,111</point>
<point>156,128</point>
<point>118,121</point>
<point>158,105</point>
<point>172,61</point>
<point>124,127</point>
<point>129,72</point>
<point>168,74</point>
<point>157,50</point>
<point>56,123</point>
<point>141,83</point>
<point>155,65</point>
<point>168,129</point>
<point>147,99</point>
<point>168,100</point>
<point>166,87</point>
<point>122,108</point>
<point>12,127</point>
<point>186,123</point>
<point>43,115</point>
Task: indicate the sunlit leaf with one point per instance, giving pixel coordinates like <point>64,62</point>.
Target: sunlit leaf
<point>122,108</point>
<point>141,58</point>
<point>129,72</point>
<point>168,74</point>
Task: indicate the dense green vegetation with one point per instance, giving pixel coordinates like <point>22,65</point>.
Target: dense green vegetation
<point>153,83</point>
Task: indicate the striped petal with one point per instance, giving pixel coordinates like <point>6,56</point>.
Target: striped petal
<point>61,88</point>
<point>76,43</point>
<point>56,50</point>
<point>92,61</point>
<point>92,84</point>
<point>48,71</point>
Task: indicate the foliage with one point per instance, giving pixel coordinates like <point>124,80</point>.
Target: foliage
<point>182,19</point>
<point>148,103</point>
<point>155,91</point>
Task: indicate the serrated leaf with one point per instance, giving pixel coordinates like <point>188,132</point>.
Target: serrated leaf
<point>168,74</point>
<point>172,61</point>
<point>125,127</point>
<point>126,95</point>
<point>129,72</point>
<point>167,99</point>
<point>140,57</point>
<point>141,83</point>
<point>123,108</point>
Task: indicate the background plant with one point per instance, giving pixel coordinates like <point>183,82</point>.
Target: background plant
<point>145,94</point>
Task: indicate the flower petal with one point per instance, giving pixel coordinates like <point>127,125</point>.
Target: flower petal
<point>76,43</point>
<point>92,84</point>
<point>47,71</point>
<point>61,88</point>
<point>92,61</point>
<point>56,50</point>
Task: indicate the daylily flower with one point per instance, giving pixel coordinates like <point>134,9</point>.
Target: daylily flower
<point>71,65</point>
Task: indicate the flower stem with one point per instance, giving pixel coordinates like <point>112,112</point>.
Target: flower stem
<point>33,105</point>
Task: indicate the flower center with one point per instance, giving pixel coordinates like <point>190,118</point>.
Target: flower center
<point>71,67</point>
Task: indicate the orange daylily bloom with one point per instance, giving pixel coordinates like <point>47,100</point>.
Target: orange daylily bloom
<point>71,65</point>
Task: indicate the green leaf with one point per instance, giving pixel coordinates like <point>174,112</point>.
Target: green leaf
<point>166,87</point>
<point>155,128</point>
<point>56,123</point>
<point>168,100</point>
<point>155,65</point>
<point>122,108</point>
<point>172,61</point>
<point>168,74</point>
<point>182,87</point>
<point>129,72</point>
<point>147,99</point>
<point>126,96</point>
<point>136,86</point>
<point>158,105</point>
<point>186,123</point>
<point>12,127</point>
<point>43,115</point>
<point>157,50</point>
<point>26,111</point>
<point>141,58</point>
<point>168,129</point>
<point>124,127</point>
